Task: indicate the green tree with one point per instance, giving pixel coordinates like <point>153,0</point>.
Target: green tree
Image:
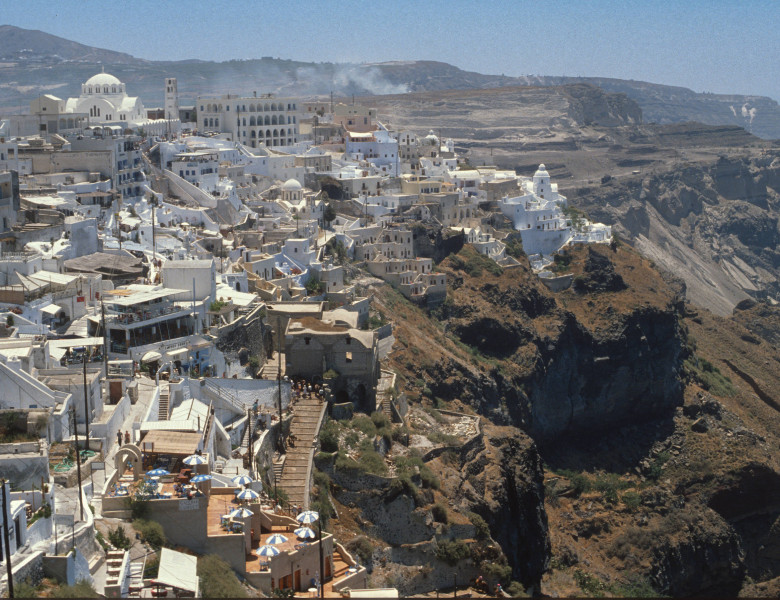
<point>329,215</point>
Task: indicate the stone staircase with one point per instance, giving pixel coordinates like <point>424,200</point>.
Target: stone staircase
<point>165,396</point>
<point>296,474</point>
<point>244,445</point>
<point>270,368</point>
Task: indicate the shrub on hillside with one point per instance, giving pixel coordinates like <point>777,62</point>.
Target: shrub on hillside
<point>151,532</point>
<point>329,437</point>
<point>81,589</point>
<point>451,551</point>
<point>217,579</point>
<point>118,538</point>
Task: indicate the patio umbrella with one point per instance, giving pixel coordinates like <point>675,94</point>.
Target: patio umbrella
<point>241,513</point>
<point>157,473</point>
<point>200,478</point>
<point>308,516</point>
<point>267,551</point>
<point>247,495</point>
<point>305,532</point>
<point>276,538</point>
<point>193,460</point>
<point>241,480</point>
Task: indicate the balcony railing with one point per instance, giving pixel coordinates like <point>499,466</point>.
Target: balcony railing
<point>143,315</point>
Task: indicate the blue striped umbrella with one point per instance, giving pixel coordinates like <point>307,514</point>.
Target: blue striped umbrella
<point>199,478</point>
<point>267,551</point>
<point>305,532</point>
<point>308,516</point>
<point>242,480</point>
<point>247,495</point>
<point>241,513</point>
<point>194,459</point>
<point>276,538</point>
<point>157,473</point>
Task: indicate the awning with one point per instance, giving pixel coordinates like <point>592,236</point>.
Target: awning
<point>178,352</point>
<point>57,353</point>
<point>52,309</point>
<point>178,570</point>
<point>151,356</point>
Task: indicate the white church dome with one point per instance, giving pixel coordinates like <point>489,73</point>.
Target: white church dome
<point>431,139</point>
<point>541,171</point>
<point>102,79</point>
<point>291,185</point>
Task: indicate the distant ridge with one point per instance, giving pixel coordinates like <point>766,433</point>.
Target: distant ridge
<point>35,62</point>
<point>16,42</point>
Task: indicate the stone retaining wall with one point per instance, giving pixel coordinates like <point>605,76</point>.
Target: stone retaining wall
<point>29,569</point>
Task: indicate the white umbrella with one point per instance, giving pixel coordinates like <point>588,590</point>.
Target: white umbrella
<point>241,480</point>
<point>308,516</point>
<point>305,532</point>
<point>267,550</point>
<point>193,460</point>
<point>241,513</point>
<point>157,473</point>
<point>276,538</point>
<point>200,478</point>
<point>247,495</point>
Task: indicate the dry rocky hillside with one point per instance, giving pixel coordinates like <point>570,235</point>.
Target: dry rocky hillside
<point>628,439</point>
<point>700,200</point>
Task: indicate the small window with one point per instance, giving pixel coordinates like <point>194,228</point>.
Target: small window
<point>349,357</point>
<point>307,340</point>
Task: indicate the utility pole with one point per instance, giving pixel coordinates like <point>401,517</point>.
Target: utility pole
<point>86,401</point>
<point>251,453</point>
<point>78,461</point>
<point>152,202</point>
<point>322,560</point>
<point>105,340</point>
<point>279,380</point>
<point>7,542</point>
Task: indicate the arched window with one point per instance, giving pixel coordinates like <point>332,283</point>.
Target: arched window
<point>267,133</point>
<point>267,120</point>
<point>276,133</point>
<point>105,89</point>
<point>251,108</point>
<point>274,120</point>
<point>62,123</point>
<point>219,108</point>
<point>253,134</point>
<point>216,122</point>
<point>244,121</point>
<point>90,89</point>
<point>113,89</point>
<point>243,107</point>
<point>273,108</point>
<point>260,133</point>
<point>251,119</point>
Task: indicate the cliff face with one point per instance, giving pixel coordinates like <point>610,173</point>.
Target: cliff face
<point>575,364</point>
<point>714,225</point>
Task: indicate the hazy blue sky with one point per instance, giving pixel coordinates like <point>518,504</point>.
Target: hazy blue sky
<point>716,46</point>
